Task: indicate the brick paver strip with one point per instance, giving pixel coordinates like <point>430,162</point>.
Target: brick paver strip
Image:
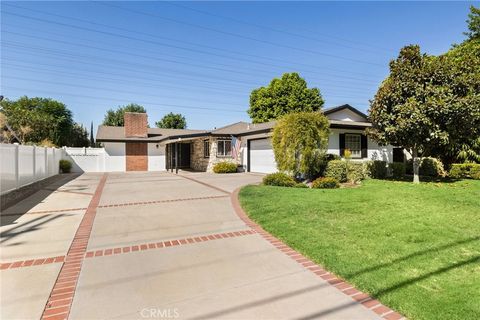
<point>61,297</point>
<point>333,280</point>
<point>26,263</point>
<point>167,243</point>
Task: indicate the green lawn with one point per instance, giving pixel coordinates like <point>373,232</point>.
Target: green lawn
<point>416,248</point>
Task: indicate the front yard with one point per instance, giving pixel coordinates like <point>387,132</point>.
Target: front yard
<point>416,248</point>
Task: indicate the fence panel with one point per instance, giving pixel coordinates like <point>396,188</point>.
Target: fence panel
<point>40,163</point>
<point>8,167</point>
<point>26,162</point>
<point>86,159</point>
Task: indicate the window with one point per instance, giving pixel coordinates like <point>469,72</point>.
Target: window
<point>224,148</point>
<point>206,149</point>
<point>354,144</point>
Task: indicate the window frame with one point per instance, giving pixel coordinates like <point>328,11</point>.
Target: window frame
<point>359,136</point>
<point>224,154</point>
<point>206,148</point>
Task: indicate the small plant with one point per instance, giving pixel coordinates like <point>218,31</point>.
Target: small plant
<point>465,171</point>
<point>377,169</point>
<point>325,183</point>
<point>279,179</point>
<point>337,169</point>
<point>301,185</point>
<point>65,166</point>
<point>398,170</point>
<point>225,167</point>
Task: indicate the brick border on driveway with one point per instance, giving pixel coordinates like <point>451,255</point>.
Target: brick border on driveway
<point>61,297</point>
<point>338,283</point>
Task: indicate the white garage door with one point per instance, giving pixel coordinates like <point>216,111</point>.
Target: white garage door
<point>261,156</point>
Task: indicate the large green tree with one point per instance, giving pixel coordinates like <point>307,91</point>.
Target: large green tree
<point>282,96</point>
<point>426,103</point>
<point>172,121</point>
<point>115,117</point>
<point>299,141</point>
<point>473,23</point>
<point>39,119</point>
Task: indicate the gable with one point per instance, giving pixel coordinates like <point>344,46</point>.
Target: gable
<point>346,114</point>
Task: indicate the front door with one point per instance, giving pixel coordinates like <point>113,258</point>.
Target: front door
<point>183,151</point>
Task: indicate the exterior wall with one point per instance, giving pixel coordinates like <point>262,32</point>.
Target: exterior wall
<point>345,115</point>
<point>197,160</point>
<point>213,155</point>
<point>115,156</point>
<point>137,156</point>
<point>374,151</point>
<point>156,157</point>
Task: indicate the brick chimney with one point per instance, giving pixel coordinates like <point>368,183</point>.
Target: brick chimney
<point>136,125</point>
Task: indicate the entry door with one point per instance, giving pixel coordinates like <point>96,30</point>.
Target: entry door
<point>183,154</point>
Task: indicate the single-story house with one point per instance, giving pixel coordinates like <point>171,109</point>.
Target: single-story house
<point>136,147</point>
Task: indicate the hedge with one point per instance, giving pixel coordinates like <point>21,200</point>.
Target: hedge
<point>398,169</point>
<point>225,167</point>
<point>376,169</point>
<point>465,171</point>
<point>279,179</point>
<point>431,167</point>
<point>337,169</point>
<point>325,183</point>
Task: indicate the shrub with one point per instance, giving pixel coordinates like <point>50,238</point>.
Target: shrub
<point>325,183</point>
<point>279,179</point>
<point>465,171</point>
<point>356,171</point>
<point>225,167</point>
<point>301,185</point>
<point>428,167</point>
<point>398,169</point>
<point>65,166</point>
<point>377,169</point>
<point>321,164</point>
<point>337,169</point>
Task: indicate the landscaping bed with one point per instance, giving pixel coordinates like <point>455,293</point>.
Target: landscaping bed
<point>416,248</point>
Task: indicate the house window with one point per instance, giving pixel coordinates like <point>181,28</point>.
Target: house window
<point>224,148</point>
<point>206,149</point>
<point>354,144</point>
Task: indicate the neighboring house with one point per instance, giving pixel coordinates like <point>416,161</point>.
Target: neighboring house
<point>136,147</point>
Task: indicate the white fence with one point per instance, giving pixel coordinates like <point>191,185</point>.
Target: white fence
<point>86,159</point>
<point>22,165</point>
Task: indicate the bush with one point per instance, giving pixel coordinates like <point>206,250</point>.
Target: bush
<point>465,171</point>
<point>301,185</point>
<point>398,169</point>
<point>356,171</point>
<point>321,164</point>
<point>279,179</point>
<point>225,167</point>
<point>337,169</point>
<point>377,169</point>
<point>325,183</point>
<point>65,166</point>
<point>428,167</point>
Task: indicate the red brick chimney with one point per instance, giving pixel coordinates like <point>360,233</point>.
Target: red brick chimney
<point>136,125</point>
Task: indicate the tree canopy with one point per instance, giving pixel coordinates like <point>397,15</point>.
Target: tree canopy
<point>427,103</point>
<point>115,117</point>
<point>299,140</point>
<point>282,96</point>
<point>473,23</point>
<point>40,119</point>
<point>172,121</point>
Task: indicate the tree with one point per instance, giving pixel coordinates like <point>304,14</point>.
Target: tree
<point>172,121</point>
<point>115,117</point>
<point>299,140</point>
<point>426,103</point>
<point>92,139</point>
<point>79,136</point>
<point>473,23</point>
<point>282,96</point>
<point>37,119</point>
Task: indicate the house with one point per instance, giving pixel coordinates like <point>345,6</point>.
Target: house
<point>135,147</point>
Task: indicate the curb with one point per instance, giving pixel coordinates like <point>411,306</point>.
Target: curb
<point>334,281</point>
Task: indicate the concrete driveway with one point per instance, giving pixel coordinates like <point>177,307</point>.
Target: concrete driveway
<point>158,246</point>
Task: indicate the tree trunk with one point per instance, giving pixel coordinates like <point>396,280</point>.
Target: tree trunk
<point>416,165</point>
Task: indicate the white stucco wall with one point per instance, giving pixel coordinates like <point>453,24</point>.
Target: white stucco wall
<point>115,159</point>
<point>156,157</point>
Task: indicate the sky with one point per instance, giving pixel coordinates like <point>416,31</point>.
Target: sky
<point>202,59</point>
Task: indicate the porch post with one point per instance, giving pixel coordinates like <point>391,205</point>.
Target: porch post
<point>176,158</point>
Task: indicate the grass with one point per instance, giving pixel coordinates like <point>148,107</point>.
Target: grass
<point>416,248</point>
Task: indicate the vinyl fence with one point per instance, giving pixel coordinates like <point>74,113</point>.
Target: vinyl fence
<point>22,165</point>
<point>87,159</point>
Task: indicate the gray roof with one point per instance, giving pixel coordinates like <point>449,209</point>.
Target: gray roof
<point>112,134</point>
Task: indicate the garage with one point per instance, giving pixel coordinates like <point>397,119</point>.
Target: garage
<point>260,156</point>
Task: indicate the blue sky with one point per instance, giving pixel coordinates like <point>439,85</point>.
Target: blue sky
<point>202,59</point>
